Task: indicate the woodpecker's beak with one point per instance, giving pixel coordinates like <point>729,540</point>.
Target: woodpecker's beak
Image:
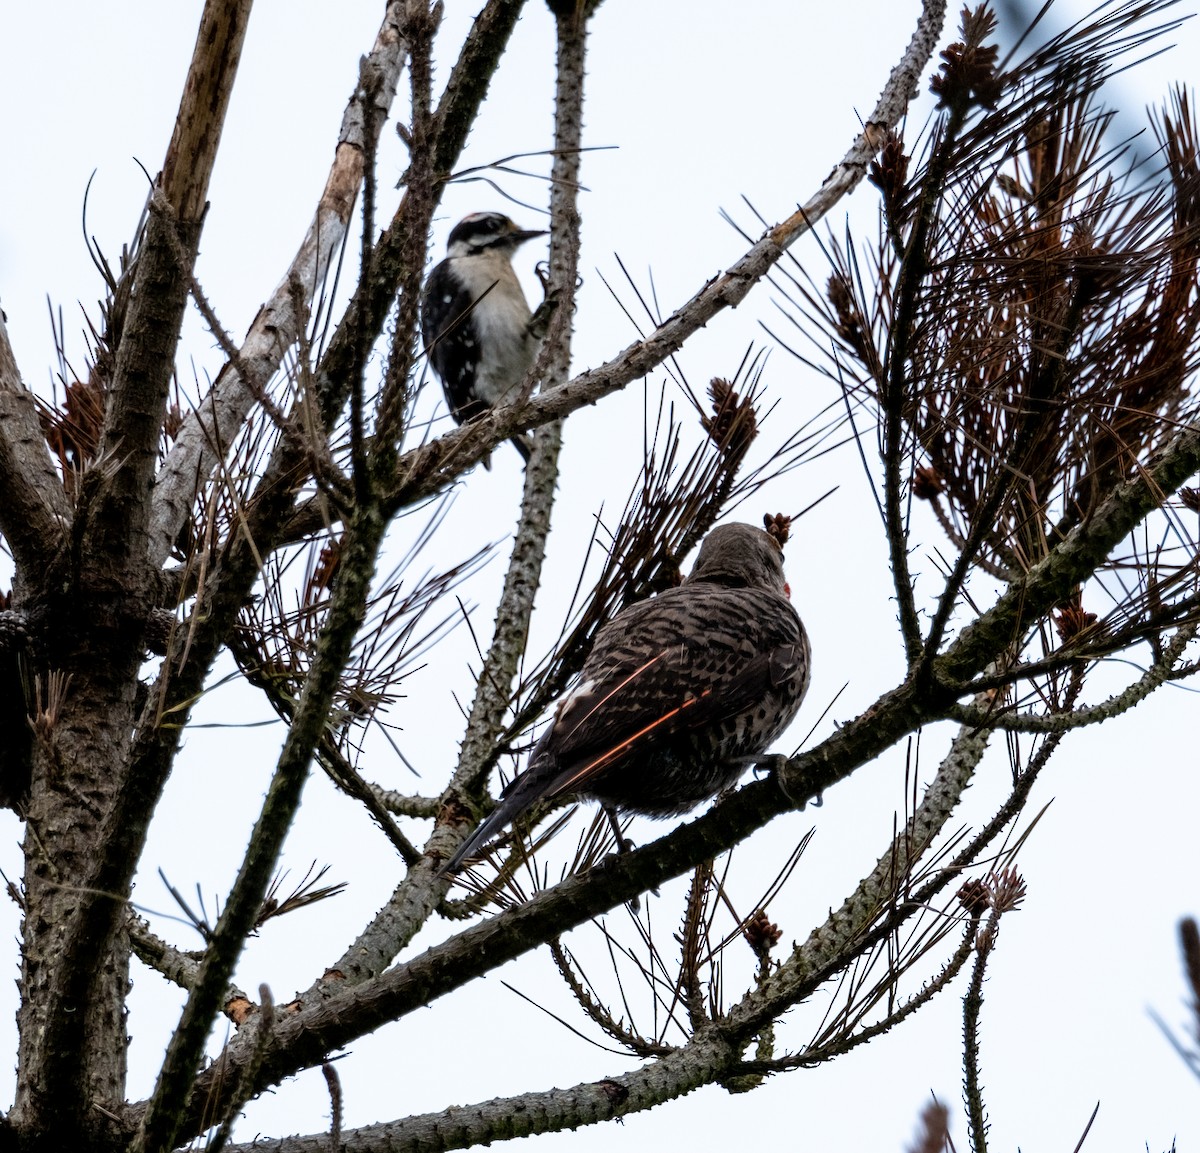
<point>520,235</point>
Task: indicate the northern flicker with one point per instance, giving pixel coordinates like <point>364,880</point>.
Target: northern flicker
<point>678,695</point>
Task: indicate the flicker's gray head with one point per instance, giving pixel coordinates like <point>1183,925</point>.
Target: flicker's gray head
<point>740,556</point>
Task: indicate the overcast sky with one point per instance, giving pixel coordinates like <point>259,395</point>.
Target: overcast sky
<point>700,104</point>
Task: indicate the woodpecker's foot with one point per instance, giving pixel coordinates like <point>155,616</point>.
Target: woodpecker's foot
<point>770,763</point>
<point>539,322</point>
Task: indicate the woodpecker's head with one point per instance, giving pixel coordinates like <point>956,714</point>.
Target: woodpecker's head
<point>740,556</point>
<point>487,232</point>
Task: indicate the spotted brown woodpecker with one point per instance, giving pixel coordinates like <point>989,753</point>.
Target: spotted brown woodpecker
<point>678,695</point>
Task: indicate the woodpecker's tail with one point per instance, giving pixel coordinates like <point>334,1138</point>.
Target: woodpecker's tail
<point>488,828</point>
<point>522,445</point>
<point>520,795</point>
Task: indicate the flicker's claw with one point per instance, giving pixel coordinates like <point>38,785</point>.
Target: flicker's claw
<point>624,844</point>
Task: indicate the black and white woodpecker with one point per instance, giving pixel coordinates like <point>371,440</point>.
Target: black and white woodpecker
<point>475,319</point>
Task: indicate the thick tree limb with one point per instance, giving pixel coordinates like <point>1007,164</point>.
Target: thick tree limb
<point>146,354</point>
<point>714,1052</point>
<point>73,1041</point>
<point>192,152</point>
<point>35,510</point>
<point>826,952</point>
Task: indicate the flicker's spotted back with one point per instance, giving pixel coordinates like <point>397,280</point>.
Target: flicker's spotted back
<point>678,694</point>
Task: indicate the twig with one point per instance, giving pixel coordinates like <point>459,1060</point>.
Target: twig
<point>1161,671</point>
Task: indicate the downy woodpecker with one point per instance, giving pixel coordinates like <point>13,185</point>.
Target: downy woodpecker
<point>475,319</point>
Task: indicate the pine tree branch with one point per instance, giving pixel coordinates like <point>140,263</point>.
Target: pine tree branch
<point>176,965</point>
<point>348,600</point>
<point>35,512</point>
<point>423,471</point>
<point>1161,671</point>
<point>875,900</point>
<point>705,1061</point>
<point>209,429</point>
<point>841,1045</point>
<point>65,1053</point>
<point>420,891</point>
<point>192,152</point>
<point>118,508</point>
<point>325,1025</point>
<point>401,246</point>
<point>229,582</point>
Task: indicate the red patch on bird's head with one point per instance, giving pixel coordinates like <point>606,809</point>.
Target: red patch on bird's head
<point>787,590</point>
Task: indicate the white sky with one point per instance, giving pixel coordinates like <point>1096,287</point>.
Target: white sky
<point>703,106</point>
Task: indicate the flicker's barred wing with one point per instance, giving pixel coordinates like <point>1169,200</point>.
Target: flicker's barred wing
<point>688,683</point>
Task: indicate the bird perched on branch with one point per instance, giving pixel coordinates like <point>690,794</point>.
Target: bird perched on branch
<point>678,695</point>
<point>475,320</point>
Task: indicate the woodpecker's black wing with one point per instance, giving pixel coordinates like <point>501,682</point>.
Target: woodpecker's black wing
<point>453,348</point>
<point>450,340</point>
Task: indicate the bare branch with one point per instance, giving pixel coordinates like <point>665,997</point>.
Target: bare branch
<point>1161,671</point>
<point>193,149</point>
<point>350,592</point>
<point>177,966</point>
<point>208,430</point>
<point>35,512</point>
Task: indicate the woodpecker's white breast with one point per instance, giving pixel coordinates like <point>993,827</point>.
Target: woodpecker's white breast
<point>500,320</point>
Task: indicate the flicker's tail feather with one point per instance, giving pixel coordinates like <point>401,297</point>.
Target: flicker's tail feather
<point>519,796</point>
<point>488,828</point>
